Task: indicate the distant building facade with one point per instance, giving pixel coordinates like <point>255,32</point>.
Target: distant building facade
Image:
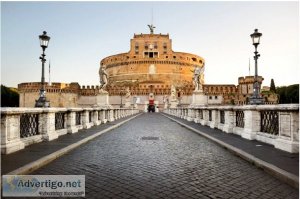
<point>74,95</point>
<point>150,66</point>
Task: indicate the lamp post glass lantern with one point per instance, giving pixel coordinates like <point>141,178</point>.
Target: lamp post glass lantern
<point>256,37</point>
<point>44,40</point>
<point>42,101</point>
<point>256,99</point>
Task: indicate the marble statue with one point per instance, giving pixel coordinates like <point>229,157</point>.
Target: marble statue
<point>127,93</point>
<point>198,78</point>
<point>103,77</point>
<point>151,28</point>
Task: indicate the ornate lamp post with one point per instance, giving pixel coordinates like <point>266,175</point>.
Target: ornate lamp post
<point>42,102</point>
<point>256,98</point>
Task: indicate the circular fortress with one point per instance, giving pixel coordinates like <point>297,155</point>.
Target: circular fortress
<point>151,66</point>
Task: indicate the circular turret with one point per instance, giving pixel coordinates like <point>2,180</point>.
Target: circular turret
<point>151,62</point>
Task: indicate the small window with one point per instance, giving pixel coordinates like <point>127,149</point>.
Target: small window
<point>216,97</point>
<point>194,59</point>
<point>174,57</point>
<point>210,97</point>
<point>150,54</point>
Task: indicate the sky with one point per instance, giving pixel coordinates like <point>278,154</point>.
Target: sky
<point>83,33</point>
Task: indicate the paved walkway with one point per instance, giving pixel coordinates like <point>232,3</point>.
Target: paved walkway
<point>154,157</point>
<point>281,159</point>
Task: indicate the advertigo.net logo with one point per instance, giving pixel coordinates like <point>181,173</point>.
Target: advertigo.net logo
<point>43,185</point>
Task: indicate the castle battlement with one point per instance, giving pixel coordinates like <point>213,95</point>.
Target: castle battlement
<point>136,36</point>
<point>58,87</point>
<point>249,79</point>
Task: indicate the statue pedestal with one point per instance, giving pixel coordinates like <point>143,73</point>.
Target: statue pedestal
<point>102,98</point>
<point>127,104</point>
<point>199,98</point>
<point>173,104</point>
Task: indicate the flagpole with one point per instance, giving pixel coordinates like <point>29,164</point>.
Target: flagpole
<point>249,66</point>
<point>49,74</point>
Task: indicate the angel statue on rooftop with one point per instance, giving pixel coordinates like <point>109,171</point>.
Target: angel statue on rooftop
<point>151,28</point>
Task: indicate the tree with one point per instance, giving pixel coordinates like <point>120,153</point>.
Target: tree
<point>9,97</point>
<point>293,93</point>
<point>272,87</point>
<point>288,94</point>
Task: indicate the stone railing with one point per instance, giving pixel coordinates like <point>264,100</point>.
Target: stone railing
<point>21,127</point>
<point>277,125</point>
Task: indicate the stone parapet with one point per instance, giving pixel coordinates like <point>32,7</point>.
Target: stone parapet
<point>21,127</point>
<point>277,125</point>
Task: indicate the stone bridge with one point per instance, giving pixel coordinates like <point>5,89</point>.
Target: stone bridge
<point>200,152</point>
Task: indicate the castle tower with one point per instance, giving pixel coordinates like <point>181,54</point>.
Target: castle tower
<point>151,66</point>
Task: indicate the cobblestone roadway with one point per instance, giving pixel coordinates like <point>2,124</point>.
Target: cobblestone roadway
<point>181,164</point>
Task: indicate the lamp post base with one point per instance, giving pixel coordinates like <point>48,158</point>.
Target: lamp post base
<point>256,100</point>
<point>42,102</point>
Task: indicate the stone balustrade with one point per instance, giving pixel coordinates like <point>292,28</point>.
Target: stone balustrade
<point>21,127</point>
<point>277,125</point>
